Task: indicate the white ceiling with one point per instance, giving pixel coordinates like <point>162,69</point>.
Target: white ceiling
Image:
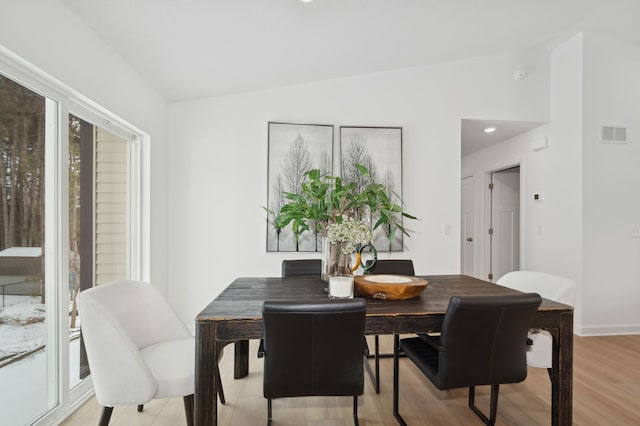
<point>475,139</point>
<point>189,49</point>
<point>198,48</point>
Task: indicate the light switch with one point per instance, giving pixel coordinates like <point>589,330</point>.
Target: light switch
<point>539,229</point>
<point>635,232</point>
<point>446,229</point>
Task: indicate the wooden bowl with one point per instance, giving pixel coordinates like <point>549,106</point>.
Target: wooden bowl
<point>389,287</point>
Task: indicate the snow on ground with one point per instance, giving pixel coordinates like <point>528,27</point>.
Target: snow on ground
<point>24,383</point>
<point>23,390</point>
<point>22,326</point>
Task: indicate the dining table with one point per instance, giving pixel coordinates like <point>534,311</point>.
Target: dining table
<point>235,316</point>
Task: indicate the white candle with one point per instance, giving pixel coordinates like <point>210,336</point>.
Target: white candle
<point>341,286</point>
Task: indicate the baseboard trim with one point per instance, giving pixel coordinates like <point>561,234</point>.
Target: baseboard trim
<point>607,330</point>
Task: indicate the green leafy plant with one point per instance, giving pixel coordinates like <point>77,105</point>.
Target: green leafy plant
<point>324,200</point>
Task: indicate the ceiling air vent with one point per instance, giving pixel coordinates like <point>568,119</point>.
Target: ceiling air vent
<point>613,134</point>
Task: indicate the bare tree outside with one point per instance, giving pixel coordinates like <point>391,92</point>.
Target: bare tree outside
<point>22,181</point>
<point>294,149</point>
<point>22,171</point>
<point>22,224</point>
<point>74,215</point>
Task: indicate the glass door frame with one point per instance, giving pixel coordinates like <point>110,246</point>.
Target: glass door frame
<point>61,101</point>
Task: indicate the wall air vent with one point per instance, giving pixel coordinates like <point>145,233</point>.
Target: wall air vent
<point>613,134</point>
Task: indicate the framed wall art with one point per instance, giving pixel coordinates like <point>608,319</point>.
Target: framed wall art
<point>379,149</point>
<point>294,149</point>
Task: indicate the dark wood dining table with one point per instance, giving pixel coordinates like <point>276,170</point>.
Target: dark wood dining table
<point>236,316</point>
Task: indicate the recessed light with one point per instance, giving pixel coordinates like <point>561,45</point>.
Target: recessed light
<point>490,130</point>
<point>306,1</point>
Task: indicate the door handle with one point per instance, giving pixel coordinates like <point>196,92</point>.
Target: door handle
<point>470,239</point>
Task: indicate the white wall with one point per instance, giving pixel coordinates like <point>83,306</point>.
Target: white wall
<point>551,239</point>
<point>218,164</point>
<point>611,291</point>
<point>214,185</point>
<point>53,39</point>
<point>545,225</point>
<point>590,204</point>
<point>560,214</point>
<point>504,155</point>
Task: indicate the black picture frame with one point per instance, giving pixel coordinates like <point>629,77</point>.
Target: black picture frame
<point>379,149</point>
<point>292,150</point>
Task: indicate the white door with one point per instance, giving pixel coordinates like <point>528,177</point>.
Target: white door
<point>505,222</point>
<point>467,256</point>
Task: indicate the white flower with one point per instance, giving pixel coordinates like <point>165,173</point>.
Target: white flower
<point>351,232</point>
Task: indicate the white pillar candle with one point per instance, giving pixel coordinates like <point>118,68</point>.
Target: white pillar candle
<point>341,286</point>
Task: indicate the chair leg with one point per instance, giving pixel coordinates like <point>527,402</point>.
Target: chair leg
<point>188,408</point>
<point>366,356</point>
<point>372,375</point>
<point>377,362</point>
<point>261,349</point>
<point>269,414</point>
<point>550,372</point>
<point>219,383</point>
<point>366,346</point>
<point>355,410</point>
<point>140,408</point>
<point>396,379</point>
<point>105,416</point>
<point>375,376</point>
<point>494,404</point>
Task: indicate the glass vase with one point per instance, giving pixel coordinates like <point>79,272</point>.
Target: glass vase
<point>334,261</point>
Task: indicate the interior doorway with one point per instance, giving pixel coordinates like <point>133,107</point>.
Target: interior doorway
<point>504,222</point>
<point>467,237</point>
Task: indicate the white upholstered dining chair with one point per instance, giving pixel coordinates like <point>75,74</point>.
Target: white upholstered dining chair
<point>138,349</point>
<point>552,287</point>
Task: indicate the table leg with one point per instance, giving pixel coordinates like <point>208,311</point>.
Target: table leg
<point>241,359</point>
<point>396,380</point>
<point>562,373</point>
<point>206,383</point>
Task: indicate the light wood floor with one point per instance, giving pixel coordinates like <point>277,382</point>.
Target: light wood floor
<point>606,391</point>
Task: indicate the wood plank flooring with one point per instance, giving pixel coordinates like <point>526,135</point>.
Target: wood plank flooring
<point>606,392</point>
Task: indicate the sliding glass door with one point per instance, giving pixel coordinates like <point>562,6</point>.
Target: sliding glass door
<point>28,354</point>
<point>69,220</point>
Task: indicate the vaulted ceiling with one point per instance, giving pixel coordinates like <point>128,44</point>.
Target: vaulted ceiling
<point>197,48</point>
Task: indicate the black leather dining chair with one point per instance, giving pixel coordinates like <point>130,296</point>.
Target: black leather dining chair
<point>313,348</point>
<point>393,266</point>
<point>387,266</point>
<point>483,341</point>
<point>296,268</point>
<point>301,267</point>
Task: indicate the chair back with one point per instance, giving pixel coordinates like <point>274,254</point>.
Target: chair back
<point>393,266</point>
<point>117,320</point>
<point>552,287</point>
<point>484,340</point>
<point>301,267</point>
<point>313,347</point>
